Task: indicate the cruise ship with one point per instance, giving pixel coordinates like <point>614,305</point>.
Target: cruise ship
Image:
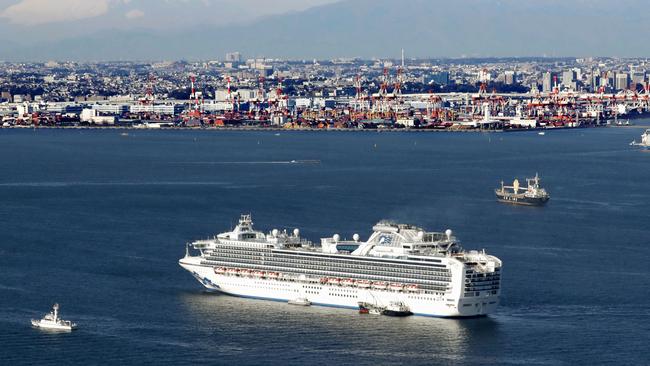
<point>428,272</point>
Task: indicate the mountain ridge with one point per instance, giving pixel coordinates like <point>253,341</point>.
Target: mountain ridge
<point>380,28</point>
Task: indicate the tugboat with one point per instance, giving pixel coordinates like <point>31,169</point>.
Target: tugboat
<point>532,195</point>
<point>645,140</point>
<point>301,301</point>
<point>52,321</point>
<point>394,308</point>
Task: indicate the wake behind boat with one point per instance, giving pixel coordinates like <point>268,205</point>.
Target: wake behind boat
<point>51,321</point>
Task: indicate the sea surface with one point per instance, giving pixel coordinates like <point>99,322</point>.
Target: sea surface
<point>97,221</point>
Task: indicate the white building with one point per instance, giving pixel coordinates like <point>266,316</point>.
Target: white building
<point>24,109</point>
<point>91,116</point>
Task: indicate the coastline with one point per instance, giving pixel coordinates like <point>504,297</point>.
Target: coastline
<point>279,129</point>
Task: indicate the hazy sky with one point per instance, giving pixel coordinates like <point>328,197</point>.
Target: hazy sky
<point>37,15</point>
<point>305,29</point>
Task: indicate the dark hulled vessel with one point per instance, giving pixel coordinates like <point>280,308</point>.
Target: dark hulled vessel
<point>532,195</point>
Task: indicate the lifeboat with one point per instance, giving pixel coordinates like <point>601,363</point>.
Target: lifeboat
<point>379,285</point>
<point>363,284</point>
<point>245,272</point>
<point>232,271</point>
<point>219,270</point>
<point>273,275</point>
<point>396,287</point>
<point>413,288</point>
<point>334,281</point>
<point>323,280</point>
<point>258,274</point>
<point>347,282</point>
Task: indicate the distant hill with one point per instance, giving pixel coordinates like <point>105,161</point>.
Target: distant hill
<point>369,28</point>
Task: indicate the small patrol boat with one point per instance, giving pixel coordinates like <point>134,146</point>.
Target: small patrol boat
<point>532,195</point>
<point>52,321</point>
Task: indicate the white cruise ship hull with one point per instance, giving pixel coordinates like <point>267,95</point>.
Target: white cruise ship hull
<point>338,295</point>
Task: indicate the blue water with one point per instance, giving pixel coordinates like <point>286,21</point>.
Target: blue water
<point>97,221</point>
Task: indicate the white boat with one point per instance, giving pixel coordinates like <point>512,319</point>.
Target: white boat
<point>347,282</point>
<point>334,281</point>
<point>412,288</point>
<point>301,301</point>
<point>364,284</point>
<point>53,322</point>
<point>645,140</point>
<point>542,133</point>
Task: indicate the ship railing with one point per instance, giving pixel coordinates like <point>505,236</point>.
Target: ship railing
<point>294,273</point>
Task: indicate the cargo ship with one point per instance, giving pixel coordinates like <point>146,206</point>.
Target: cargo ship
<point>531,195</point>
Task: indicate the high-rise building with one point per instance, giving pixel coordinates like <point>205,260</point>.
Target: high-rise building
<point>595,82</point>
<point>622,81</point>
<point>509,77</point>
<point>233,57</point>
<point>638,77</point>
<point>568,77</point>
<point>484,76</point>
<point>547,81</point>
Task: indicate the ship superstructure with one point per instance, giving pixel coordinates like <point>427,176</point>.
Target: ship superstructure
<point>52,321</point>
<point>428,272</point>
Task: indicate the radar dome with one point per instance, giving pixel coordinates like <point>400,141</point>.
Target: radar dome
<point>355,237</point>
<point>336,237</point>
<point>448,232</point>
<point>296,232</point>
<point>420,235</point>
<point>275,232</point>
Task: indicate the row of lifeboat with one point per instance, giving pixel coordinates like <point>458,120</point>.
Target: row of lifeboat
<point>348,282</point>
<point>244,272</point>
<point>379,285</point>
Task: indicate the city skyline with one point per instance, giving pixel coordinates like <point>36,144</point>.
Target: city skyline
<point>39,30</point>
